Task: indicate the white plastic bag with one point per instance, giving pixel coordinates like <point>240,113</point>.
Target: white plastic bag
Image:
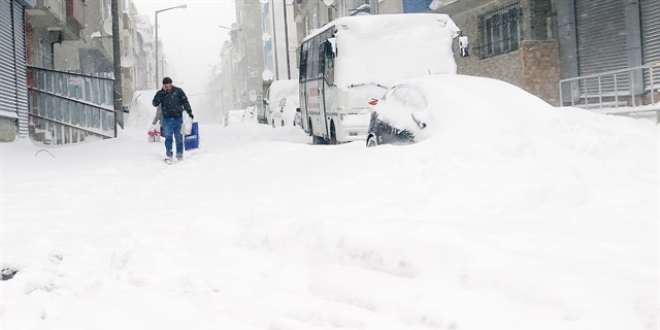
<point>186,129</point>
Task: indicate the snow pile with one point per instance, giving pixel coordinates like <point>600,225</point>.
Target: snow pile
<point>544,219</point>
<point>141,112</point>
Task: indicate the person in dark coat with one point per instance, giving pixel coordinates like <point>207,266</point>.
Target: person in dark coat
<point>173,101</point>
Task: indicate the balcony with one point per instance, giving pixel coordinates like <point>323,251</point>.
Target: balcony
<point>75,13</point>
<point>53,15</point>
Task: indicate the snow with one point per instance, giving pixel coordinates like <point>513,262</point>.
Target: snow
<point>283,89</point>
<point>512,215</point>
<point>406,45</point>
<point>545,219</point>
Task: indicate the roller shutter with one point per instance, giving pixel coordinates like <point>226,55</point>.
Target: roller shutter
<point>8,102</point>
<point>21,69</point>
<point>601,39</point>
<point>650,11</point>
<point>13,66</point>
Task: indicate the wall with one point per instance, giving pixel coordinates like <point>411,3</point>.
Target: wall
<point>8,129</point>
<point>506,67</point>
<point>391,7</point>
<point>534,66</point>
<point>540,74</point>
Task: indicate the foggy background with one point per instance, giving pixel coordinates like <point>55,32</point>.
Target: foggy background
<point>192,42</point>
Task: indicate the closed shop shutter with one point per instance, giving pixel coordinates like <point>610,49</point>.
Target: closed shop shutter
<point>8,102</point>
<point>21,69</point>
<point>601,39</point>
<point>650,10</point>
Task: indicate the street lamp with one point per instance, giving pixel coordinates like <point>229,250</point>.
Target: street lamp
<point>184,6</point>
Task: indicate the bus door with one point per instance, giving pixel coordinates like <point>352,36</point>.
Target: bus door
<point>328,69</point>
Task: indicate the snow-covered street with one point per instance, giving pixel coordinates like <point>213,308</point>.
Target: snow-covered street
<point>547,224</point>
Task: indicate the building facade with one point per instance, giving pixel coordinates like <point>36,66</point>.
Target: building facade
<point>13,69</point>
<point>56,67</point>
<point>535,43</point>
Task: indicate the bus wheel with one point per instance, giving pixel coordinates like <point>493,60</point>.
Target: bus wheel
<point>371,141</point>
<point>333,133</point>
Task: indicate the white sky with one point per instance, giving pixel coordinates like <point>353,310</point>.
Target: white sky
<point>191,37</point>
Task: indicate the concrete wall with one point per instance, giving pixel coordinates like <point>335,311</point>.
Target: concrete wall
<point>8,129</point>
<point>391,7</point>
<point>505,67</point>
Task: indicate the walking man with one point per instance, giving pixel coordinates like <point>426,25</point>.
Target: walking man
<point>172,101</point>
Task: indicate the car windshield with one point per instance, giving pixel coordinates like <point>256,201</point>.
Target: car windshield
<point>406,96</point>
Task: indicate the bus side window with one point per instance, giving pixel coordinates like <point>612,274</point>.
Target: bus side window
<point>312,58</point>
<point>329,63</point>
<point>303,64</point>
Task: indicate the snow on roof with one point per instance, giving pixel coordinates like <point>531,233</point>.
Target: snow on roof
<point>383,49</point>
<point>280,89</point>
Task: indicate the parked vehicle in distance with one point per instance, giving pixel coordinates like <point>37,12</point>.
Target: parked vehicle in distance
<point>233,117</point>
<point>420,107</point>
<point>281,102</point>
<point>352,60</point>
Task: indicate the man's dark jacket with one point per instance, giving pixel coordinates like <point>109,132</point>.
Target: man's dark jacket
<point>173,102</point>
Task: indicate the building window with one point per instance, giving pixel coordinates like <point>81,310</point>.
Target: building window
<point>501,31</point>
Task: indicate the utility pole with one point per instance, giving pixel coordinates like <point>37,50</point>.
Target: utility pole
<point>116,59</point>
<point>286,39</point>
<point>156,45</point>
<point>374,7</point>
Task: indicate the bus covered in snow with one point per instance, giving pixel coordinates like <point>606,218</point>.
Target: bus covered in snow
<point>353,60</point>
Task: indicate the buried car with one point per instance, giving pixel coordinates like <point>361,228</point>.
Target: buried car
<point>281,103</point>
<point>418,108</point>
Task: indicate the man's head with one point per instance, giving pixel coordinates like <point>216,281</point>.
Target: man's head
<point>167,83</point>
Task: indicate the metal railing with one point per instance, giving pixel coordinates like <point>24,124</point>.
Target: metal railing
<point>69,107</point>
<point>624,91</point>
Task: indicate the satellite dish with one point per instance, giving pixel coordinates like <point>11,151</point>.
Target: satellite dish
<point>267,75</point>
<point>148,47</point>
<point>107,26</point>
<point>127,61</point>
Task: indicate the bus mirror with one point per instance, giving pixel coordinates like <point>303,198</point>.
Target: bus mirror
<point>329,53</point>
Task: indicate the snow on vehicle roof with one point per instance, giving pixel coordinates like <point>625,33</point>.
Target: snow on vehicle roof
<point>280,89</point>
<point>383,49</point>
<point>376,23</point>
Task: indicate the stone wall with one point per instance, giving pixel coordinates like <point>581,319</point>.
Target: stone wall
<point>534,66</point>
<point>8,129</point>
<point>506,67</point>
<point>540,69</point>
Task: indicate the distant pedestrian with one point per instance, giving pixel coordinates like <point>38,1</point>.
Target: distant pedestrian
<point>172,101</point>
<point>157,124</point>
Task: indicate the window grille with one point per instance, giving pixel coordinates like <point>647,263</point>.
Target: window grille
<point>501,31</point>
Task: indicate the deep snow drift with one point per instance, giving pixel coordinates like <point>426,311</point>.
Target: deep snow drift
<point>548,222</point>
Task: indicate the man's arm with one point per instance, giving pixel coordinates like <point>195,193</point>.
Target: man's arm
<point>157,98</point>
<point>183,100</point>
